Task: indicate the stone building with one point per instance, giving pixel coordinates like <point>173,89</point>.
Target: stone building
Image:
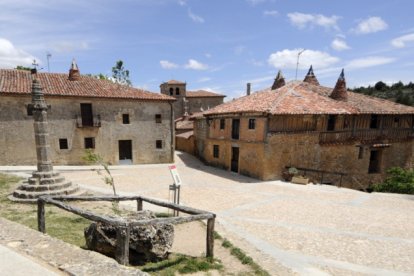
<point>331,134</point>
<point>123,124</point>
<point>189,101</point>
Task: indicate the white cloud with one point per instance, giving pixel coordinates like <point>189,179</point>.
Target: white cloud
<point>255,2</point>
<point>238,50</point>
<point>195,65</point>
<point>195,17</point>
<point>288,58</point>
<point>400,42</point>
<point>10,56</point>
<point>339,44</point>
<point>368,62</point>
<point>205,79</point>
<point>271,13</point>
<point>165,64</point>
<point>69,46</point>
<point>371,25</point>
<point>182,2</point>
<point>302,20</point>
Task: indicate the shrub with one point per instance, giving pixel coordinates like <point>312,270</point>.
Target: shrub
<point>399,180</point>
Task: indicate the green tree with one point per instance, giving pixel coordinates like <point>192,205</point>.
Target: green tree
<point>120,74</point>
<point>381,86</point>
<point>20,67</point>
<point>399,181</point>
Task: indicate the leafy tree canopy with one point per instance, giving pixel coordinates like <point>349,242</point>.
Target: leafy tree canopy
<point>120,74</point>
<point>20,67</point>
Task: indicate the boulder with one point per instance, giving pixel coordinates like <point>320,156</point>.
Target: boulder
<point>146,243</point>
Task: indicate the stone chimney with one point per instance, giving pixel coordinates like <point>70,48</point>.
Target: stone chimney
<point>74,74</point>
<point>279,81</point>
<point>248,88</point>
<point>339,92</point>
<point>310,77</point>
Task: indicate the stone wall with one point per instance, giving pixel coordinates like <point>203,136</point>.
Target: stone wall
<point>196,104</point>
<point>185,144</point>
<point>17,135</point>
<point>303,150</point>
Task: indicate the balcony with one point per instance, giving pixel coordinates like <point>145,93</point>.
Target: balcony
<point>365,135</point>
<point>93,121</point>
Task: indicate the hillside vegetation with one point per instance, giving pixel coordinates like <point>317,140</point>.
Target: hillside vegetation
<point>397,92</point>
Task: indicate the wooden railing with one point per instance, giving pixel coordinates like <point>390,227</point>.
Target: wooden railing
<point>396,134</point>
<point>123,227</point>
<point>94,122</point>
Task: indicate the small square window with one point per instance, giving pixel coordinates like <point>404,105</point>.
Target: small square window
<point>125,118</point>
<point>216,151</point>
<point>63,143</point>
<point>158,118</point>
<point>158,144</point>
<point>89,142</point>
<point>252,123</point>
<point>222,123</point>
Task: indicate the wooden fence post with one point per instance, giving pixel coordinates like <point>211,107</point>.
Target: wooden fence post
<point>210,238</point>
<point>41,224</point>
<point>139,204</point>
<point>122,245</point>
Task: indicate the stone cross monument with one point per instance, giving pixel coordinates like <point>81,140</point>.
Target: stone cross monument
<point>44,181</point>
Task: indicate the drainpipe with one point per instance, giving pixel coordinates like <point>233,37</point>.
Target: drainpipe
<point>172,132</point>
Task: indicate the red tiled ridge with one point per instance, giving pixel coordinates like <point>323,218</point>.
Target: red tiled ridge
<point>298,97</point>
<point>174,82</point>
<point>203,94</point>
<point>56,84</point>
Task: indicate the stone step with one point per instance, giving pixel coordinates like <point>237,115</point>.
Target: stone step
<point>22,194</point>
<point>44,181</point>
<point>45,187</point>
<point>45,174</point>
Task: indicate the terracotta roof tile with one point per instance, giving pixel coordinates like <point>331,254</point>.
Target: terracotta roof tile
<point>203,94</point>
<point>174,82</point>
<point>54,84</point>
<point>304,98</point>
<point>184,124</point>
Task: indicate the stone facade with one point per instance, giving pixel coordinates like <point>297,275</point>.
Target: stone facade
<point>122,124</point>
<point>189,102</point>
<point>17,137</point>
<point>331,134</point>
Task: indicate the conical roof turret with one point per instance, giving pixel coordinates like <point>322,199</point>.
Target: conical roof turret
<point>279,81</point>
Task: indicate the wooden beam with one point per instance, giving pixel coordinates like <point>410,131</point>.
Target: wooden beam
<point>172,220</point>
<point>41,223</point>
<point>210,238</point>
<point>184,209</point>
<point>122,245</point>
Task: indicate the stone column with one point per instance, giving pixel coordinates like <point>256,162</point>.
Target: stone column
<point>44,163</point>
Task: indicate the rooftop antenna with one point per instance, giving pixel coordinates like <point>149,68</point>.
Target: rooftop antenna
<point>48,56</point>
<point>297,62</point>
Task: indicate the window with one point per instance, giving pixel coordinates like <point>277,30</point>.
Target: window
<point>235,129</point>
<point>171,91</point>
<point>125,118</point>
<point>29,110</point>
<point>158,118</point>
<point>361,153</point>
<point>89,142</point>
<point>374,121</point>
<point>375,162</point>
<point>63,143</point>
<point>216,151</point>
<point>252,123</point>
<point>222,123</point>
<point>331,122</point>
<point>86,114</point>
<point>177,91</point>
<point>158,144</point>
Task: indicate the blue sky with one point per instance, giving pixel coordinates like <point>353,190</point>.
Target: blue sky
<point>211,44</point>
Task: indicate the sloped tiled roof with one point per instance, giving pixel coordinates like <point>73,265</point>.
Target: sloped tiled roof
<point>203,94</point>
<point>174,82</point>
<point>184,124</point>
<point>298,97</point>
<point>56,84</point>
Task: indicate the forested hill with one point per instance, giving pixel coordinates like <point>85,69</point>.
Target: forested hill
<point>397,92</point>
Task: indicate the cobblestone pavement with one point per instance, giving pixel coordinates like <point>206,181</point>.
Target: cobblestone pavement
<point>287,228</point>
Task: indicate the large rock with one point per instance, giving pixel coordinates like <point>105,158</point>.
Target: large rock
<point>146,243</point>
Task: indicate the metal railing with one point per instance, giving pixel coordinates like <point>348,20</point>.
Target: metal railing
<point>95,122</point>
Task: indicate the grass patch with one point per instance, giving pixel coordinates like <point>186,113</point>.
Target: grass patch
<point>244,258</point>
<point>182,264</point>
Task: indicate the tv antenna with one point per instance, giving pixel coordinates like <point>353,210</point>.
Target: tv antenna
<point>48,56</point>
<point>297,62</point>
